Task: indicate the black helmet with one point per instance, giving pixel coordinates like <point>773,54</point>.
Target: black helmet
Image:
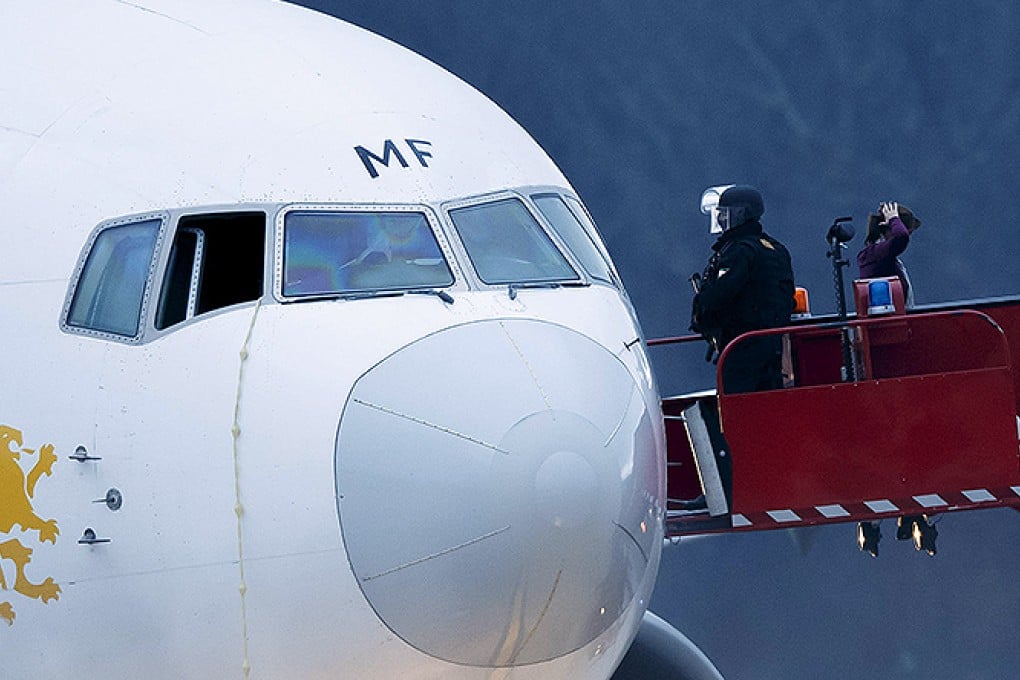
<point>744,203</point>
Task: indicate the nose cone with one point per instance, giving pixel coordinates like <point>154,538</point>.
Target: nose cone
<point>500,491</point>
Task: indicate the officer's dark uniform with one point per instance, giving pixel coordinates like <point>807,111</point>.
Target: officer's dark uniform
<point>748,285</point>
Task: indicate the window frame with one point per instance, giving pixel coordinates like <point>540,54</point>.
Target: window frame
<point>196,271</point>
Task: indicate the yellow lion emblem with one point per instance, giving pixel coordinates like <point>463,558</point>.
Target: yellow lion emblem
<point>16,493</point>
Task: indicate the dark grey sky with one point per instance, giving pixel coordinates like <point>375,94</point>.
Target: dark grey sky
<point>828,108</point>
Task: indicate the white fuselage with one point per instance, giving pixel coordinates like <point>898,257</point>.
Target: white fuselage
<point>321,486</point>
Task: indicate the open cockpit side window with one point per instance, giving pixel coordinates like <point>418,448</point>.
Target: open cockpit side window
<point>216,260</point>
<point>111,290</point>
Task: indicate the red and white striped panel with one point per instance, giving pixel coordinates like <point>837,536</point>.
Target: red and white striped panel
<point>933,503</point>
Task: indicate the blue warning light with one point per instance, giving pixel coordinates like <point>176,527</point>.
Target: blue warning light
<point>880,297</point>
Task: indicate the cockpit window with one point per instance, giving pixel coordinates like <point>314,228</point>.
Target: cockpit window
<point>217,260</point>
<point>326,253</point>
<point>581,213</point>
<point>507,245</point>
<point>111,289</point>
<point>574,235</point>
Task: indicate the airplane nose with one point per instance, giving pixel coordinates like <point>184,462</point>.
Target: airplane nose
<point>500,491</point>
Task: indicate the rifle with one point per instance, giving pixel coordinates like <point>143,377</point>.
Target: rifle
<point>711,338</point>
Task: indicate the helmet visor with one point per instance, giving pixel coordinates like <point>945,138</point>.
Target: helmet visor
<point>710,204</point>
<point>728,217</point>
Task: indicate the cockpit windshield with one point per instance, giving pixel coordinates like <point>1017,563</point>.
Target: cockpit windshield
<point>506,244</point>
<point>336,253</point>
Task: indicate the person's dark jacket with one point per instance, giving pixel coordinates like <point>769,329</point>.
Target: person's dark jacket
<point>748,285</point>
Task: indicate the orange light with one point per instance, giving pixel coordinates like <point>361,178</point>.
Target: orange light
<point>801,304</point>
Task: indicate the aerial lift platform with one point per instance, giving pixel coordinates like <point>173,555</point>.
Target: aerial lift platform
<point>884,414</point>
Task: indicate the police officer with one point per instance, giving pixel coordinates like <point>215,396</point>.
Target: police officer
<point>747,285</point>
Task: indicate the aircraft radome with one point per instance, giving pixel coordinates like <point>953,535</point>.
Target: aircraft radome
<point>314,364</point>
